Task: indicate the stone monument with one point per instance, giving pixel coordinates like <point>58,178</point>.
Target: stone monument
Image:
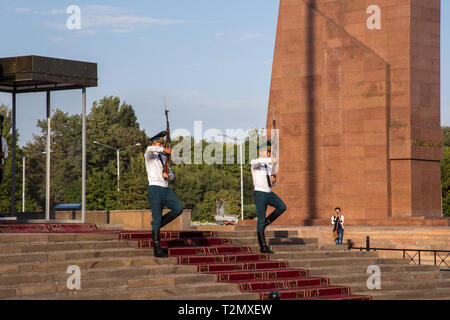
<point>356,91</point>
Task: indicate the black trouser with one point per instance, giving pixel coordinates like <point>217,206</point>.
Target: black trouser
<point>159,197</point>
<point>262,200</point>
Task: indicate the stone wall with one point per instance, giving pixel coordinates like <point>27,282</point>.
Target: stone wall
<point>435,238</point>
<point>129,219</point>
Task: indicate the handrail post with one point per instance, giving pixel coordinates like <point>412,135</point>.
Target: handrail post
<point>368,243</point>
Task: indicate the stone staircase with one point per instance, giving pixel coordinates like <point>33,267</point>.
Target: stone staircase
<point>34,266</point>
<point>434,238</point>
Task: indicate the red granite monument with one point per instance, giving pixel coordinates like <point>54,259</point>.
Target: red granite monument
<point>356,90</point>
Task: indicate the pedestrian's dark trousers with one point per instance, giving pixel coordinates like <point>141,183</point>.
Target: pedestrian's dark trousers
<point>262,200</point>
<point>158,197</point>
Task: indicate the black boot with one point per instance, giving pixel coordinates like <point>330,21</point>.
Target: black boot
<point>262,243</point>
<point>166,219</point>
<point>156,237</point>
<point>267,222</point>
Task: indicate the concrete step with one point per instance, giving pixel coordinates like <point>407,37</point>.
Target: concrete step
<point>296,248</point>
<point>107,226</point>
<point>441,293</point>
<point>359,268</point>
<point>34,267</point>
<point>98,273</point>
<point>54,237</point>
<point>21,268</point>
<point>117,244</point>
<point>253,234</point>
<point>219,296</point>
<point>88,285</point>
<point>404,285</point>
<point>342,247</point>
<point>274,241</point>
<point>153,292</point>
<point>64,246</point>
<point>341,261</point>
<point>319,254</point>
<point>72,255</point>
<point>345,279</point>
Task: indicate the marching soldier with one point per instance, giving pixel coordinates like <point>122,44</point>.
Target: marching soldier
<point>263,180</point>
<point>159,194</point>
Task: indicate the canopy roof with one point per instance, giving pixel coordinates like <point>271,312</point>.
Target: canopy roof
<point>37,74</point>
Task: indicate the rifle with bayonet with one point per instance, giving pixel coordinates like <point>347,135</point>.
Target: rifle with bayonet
<point>167,141</point>
<point>274,145</point>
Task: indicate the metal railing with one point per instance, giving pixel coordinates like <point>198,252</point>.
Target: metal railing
<point>441,254</point>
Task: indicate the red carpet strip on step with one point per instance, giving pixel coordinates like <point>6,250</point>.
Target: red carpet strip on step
<point>262,275</point>
<point>186,242</point>
<point>254,272</point>
<point>230,249</point>
<point>165,235</point>
<point>283,284</point>
<point>212,259</point>
<point>51,228</point>
<point>308,292</point>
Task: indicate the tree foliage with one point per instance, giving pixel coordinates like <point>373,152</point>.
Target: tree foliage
<point>5,188</point>
<point>115,124</point>
<point>446,131</point>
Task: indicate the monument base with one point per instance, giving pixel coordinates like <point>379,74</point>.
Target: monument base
<point>126,219</point>
<point>406,221</point>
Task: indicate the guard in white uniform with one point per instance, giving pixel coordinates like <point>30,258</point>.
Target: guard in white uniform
<point>159,194</point>
<point>263,180</point>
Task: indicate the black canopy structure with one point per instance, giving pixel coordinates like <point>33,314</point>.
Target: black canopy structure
<point>43,74</point>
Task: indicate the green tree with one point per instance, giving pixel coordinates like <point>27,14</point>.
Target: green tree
<point>109,122</point>
<point>133,186</point>
<point>5,188</point>
<point>250,211</point>
<point>101,191</point>
<point>114,123</point>
<point>446,136</point>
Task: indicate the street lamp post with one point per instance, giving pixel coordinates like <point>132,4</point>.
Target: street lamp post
<point>23,183</point>
<point>242,172</point>
<point>118,157</point>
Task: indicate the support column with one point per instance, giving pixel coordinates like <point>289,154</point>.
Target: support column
<point>47,169</point>
<point>118,170</point>
<point>23,182</point>
<point>13,155</point>
<point>83,170</point>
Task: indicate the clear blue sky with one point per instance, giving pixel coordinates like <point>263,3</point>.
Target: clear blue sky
<point>211,58</point>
